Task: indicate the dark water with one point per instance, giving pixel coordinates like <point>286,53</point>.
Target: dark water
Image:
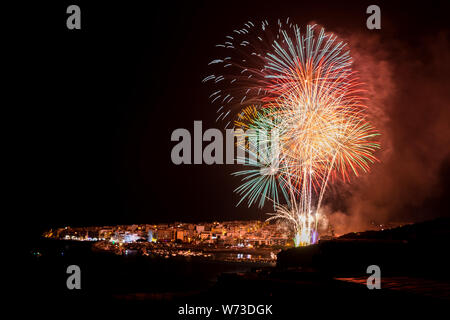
<point>157,287</point>
<point>104,274</point>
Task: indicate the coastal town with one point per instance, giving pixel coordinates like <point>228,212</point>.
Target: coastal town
<point>253,241</point>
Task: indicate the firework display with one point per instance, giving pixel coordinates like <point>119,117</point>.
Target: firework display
<point>298,104</point>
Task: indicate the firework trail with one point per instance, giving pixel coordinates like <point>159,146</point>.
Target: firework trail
<point>300,85</point>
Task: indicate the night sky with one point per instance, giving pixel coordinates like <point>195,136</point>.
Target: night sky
<point>98,107</point>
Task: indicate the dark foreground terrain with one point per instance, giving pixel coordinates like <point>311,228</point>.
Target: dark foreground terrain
<point>328,279</point>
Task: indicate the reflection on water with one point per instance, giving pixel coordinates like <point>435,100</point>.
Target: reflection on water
<point>419,286</point>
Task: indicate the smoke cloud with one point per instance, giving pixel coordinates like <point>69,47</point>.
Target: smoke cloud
<point>408,98</point>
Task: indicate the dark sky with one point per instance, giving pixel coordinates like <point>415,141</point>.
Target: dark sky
<point>98,106</point>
